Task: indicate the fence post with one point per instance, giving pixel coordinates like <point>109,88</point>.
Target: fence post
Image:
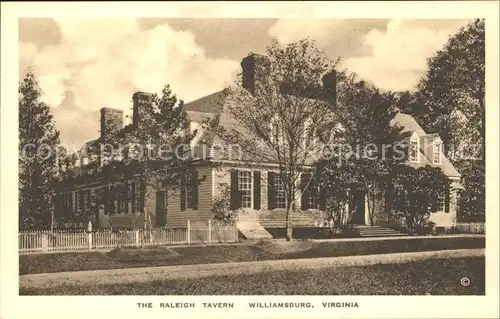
<point>137,237</point>
<point>45,241</point>
<point>188,232</point>
<point>209,231</point>
<point>90,240</point>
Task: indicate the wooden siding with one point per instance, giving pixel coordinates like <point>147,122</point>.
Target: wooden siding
<point>178,218</point>
<point>275,218</point>
<point>449,219</point>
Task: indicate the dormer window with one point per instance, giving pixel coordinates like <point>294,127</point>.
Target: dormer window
<point>414,148</point>
<point>309,134</point>
<point>437,152</point>
<point>276,132</point>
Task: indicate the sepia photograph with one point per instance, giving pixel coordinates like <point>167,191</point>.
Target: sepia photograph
<point>219,156</point>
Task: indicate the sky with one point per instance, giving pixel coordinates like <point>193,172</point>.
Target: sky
<point>86,64</point>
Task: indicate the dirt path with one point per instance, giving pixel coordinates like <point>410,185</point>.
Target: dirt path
<point>113,276</point>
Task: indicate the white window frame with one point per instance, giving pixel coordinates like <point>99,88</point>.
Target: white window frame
<point>441,204</point>
<point>436,150</point>
<point>308,126</point>
<point>278,191</point>
<point>414,141</point>
<point>276,133</point>
<point>312,201</point>
<point>242,175</point>
<point>189,191</point>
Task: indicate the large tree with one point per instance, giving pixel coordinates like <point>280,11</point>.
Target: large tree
<point>368,145</point>
<point>279,118</point>
<point>414,195</point>
<point>38,160</point>
<point>154,152</point>
<point>450,101</point>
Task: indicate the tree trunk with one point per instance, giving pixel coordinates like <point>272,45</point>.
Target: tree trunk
<point>289,227</point>
<point>52,221</point>
<point>368,200</point>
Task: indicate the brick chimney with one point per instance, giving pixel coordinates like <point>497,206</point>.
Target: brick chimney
<point>111,121</point>
<point>139,99</point>
<point>330,86</point>
<point>255,70</point>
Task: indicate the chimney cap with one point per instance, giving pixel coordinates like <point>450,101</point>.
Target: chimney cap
<point>142,94</point>
<point>251,57</point>
<point>108,109</point>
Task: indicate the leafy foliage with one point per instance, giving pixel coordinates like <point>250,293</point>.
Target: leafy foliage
<point>450,101</point>
<point>371,144</point>
<point>221,207</point>
<point>38,160</point>
<point>413,193</point>
<point>153,152</point>
<point>281,119</point>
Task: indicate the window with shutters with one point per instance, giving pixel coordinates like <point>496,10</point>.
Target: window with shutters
<point>440,205</point>
<point>189,190</point>
<point>86,200</point>
<point>276,131</point>
<point>309,134</point>
<point>79,200</point>
<point>309,188</point>
<point>245,188</point>
<point>312,200</point>
<point>280,196</point>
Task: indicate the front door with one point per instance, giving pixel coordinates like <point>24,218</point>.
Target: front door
<point>160,208</point>
<point>357,208</point>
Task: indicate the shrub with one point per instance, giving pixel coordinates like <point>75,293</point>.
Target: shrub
<point>221,207</point>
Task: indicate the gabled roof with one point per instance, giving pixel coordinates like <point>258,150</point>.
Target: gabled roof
<point>409,124</point>
<point>212,104</point>
<point>208,104</point>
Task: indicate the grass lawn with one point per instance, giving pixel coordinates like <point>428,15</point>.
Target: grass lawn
<point>163,256</point>
<point>435,277</point>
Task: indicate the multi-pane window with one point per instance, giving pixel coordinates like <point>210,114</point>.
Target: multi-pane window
<point>245,188</point>
<point>436,153</point>
<point>280,192</point>
<point>308,134</point>
<point>414,151</point>
<point>276,131</point>
<point>86,200</point>
<point>189,190</point>
<point>79,199</point>
<point>312,200</point>
<point>440,203</point>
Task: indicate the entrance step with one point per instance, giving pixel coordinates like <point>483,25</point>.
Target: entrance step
<point>253,230</point>
<point>376,231</point>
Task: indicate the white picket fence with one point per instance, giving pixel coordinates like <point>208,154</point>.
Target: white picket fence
<point>82,240</point>
<point>471,228</point>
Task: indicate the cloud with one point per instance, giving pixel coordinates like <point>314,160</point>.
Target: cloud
<point>398,57</point>
<point>336,37</point>
<point>392,54</point>
<point>292,30</point>
<point>103,62</point>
